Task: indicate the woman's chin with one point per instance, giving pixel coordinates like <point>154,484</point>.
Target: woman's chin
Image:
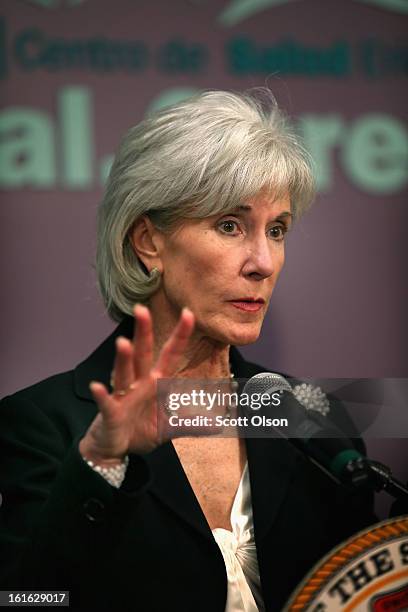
<point>240,335</point>
<point>243,340</point>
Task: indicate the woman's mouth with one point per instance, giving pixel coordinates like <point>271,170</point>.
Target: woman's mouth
<point>247,305</point>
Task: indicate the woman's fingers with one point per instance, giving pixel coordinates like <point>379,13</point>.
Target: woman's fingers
<point>122,374</point>
<point>174,348</point>
<point>102,398</point>
<point>134,360</point>
<point>128,417</point>
<point>142,342</point>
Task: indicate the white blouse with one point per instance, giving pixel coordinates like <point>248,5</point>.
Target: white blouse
<point>239,552</point>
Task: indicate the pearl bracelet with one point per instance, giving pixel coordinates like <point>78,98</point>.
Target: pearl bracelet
<point>114,475</point>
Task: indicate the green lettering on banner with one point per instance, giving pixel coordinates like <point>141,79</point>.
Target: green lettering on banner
<point>379,59</point>
<point>321,134</point>
<point>76,121</point>
<point>375,154</point>
<point>170,96</point>
<point>27,151</point>
<point>178,56</point>
<point>28,49</point>
<point>399,6</point>
<point>165,98</point>
<point>238,10</point>
<point>35,50</point>
<point>288,57</point>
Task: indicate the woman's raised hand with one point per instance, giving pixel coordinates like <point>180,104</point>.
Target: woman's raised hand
<point>128,418</point>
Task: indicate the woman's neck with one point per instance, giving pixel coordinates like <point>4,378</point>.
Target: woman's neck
<point>204,360</point>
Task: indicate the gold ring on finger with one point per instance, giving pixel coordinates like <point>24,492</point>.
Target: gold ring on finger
<point>122,392</point>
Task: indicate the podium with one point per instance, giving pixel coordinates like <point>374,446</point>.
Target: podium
<point>367,573</point>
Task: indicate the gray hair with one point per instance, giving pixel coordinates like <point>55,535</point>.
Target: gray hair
<point>197,158</point>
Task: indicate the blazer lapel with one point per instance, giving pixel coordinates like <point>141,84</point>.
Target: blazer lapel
<point>271,461</point>
<point>172,487</point>
<point>272,467</point>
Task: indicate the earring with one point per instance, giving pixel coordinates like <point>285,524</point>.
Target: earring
<point>154,272</point>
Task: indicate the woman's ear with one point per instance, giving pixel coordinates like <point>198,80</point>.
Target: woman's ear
<point>147,242</point>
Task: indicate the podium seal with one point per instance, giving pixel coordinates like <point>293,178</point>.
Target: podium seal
<point>367,573</point>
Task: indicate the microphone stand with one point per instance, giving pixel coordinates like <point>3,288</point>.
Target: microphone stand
<point>375,475</point>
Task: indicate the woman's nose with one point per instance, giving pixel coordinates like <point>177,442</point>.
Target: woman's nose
<point>262,258</point>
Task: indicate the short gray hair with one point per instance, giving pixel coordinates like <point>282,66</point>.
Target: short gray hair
<point>197,158</point>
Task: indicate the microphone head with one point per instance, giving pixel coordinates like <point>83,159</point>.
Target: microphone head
<point>266,382</point>
<point>308,430</point>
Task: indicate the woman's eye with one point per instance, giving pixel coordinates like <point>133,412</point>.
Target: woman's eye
<point>277,232</point>
<point>228,227</point>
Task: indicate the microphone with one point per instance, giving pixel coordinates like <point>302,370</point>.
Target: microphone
<point>323,442</point>
<point>309,430</point>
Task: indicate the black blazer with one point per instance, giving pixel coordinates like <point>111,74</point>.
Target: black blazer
<point>147,546</point>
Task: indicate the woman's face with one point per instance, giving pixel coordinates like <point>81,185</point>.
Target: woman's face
<point>214,265</point>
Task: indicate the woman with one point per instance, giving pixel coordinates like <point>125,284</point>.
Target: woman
<point>96,499</point>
